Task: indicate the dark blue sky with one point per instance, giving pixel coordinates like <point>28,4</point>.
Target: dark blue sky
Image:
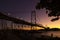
<point>18,8</point>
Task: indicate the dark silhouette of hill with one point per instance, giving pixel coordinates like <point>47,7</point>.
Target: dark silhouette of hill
<point>55,29</point>
<point>50,29</point>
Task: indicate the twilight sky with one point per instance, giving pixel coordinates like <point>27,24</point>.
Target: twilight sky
<point>23,8</point>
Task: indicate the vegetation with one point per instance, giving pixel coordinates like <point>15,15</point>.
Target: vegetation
<point>52,5</point>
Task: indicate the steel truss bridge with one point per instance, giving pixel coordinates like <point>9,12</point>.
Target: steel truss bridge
<point>16,21</point>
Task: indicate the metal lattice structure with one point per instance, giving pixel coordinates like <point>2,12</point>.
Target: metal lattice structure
<point>15,21</point>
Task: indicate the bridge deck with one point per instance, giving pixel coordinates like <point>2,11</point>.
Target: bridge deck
<point>18,21</point>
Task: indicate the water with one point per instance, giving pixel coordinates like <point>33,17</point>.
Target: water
<point>48,33</point>
<point>55,33</point>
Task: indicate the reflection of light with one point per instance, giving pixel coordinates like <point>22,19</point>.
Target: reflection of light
<point>29,28</point>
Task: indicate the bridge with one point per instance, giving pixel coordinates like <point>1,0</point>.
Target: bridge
<point>16,21</point>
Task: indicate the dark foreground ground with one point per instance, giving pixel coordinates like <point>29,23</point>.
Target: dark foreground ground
<point>22,35</point>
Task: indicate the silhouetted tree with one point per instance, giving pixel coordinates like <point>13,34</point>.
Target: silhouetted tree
<point>52,5</point>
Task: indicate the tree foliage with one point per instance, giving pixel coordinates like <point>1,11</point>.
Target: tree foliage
<point>51,5</point>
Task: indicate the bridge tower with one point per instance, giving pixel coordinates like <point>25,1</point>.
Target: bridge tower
<point>33,18</point>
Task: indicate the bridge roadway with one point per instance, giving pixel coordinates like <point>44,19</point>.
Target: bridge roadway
<point>18,21</point>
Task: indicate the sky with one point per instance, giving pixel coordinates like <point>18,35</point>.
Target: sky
<point>23,8</point>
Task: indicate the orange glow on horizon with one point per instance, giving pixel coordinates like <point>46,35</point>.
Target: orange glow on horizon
<point>28,28</point>
<point>55,24</point>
